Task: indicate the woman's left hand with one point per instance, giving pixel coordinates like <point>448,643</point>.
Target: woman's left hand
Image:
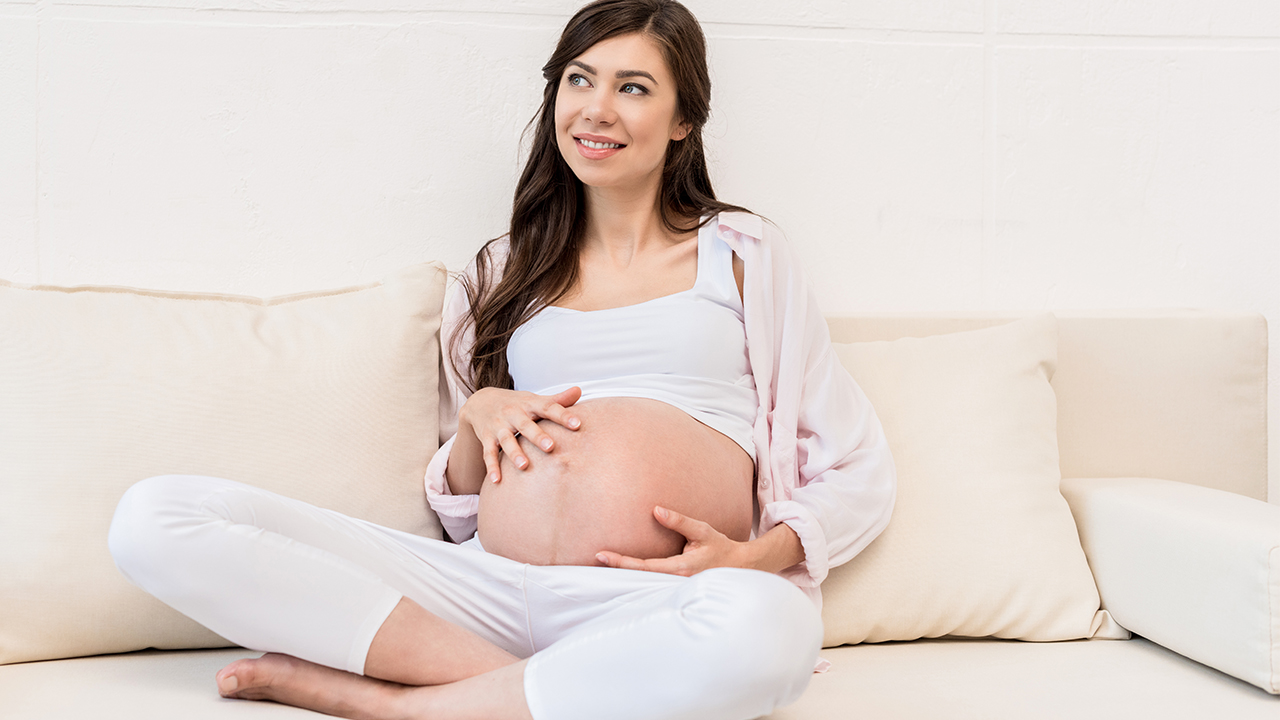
<point>704,548</point>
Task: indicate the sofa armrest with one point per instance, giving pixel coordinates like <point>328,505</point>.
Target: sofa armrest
<point>1194,569</point>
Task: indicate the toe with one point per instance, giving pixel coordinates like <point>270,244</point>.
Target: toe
<point>228,684</point>
<point>235,677</point>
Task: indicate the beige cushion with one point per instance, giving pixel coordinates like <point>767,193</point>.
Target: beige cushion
<point>981,542</point>
<point>1174,394</point>
<point>1194,569</point>
<point>328,397</point>
<point>949,679</point>
<point>944,679</point>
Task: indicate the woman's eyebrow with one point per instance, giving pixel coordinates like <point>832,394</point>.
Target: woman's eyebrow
<point>620,74</point>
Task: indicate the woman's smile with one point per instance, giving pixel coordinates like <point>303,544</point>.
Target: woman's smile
<point>595,147</point>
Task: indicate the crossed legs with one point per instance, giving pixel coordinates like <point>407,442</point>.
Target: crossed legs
<point>424,628</point>
<point>418,666</point>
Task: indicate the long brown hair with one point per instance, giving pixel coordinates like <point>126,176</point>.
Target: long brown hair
<point>548,213</point>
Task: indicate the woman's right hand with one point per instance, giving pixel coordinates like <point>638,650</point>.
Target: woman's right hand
<point>497,416</point>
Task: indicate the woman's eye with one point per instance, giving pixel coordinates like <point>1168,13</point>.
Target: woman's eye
<point>577,80</point>
<point>634,89</point>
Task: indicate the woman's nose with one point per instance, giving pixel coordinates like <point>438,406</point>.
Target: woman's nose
<point>600,108</point>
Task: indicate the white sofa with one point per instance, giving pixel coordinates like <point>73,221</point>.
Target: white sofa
<point>1161,436</point>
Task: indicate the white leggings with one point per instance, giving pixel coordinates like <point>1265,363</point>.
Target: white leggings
<point>278,575</point>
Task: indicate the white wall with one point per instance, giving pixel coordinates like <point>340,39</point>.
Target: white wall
<point>922,154</point>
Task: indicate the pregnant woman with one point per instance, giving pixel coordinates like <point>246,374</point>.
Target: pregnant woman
<point>652,454</point>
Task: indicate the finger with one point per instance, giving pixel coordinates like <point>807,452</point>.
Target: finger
<point>534,433</point>
<point>554,409</point>
<point>492,467</point>
<point>568,396</point>
<point>695,530</point>
<point>507,440</point>
<point>678,565</point>
<point>613,559</point>
<point>556,413</point>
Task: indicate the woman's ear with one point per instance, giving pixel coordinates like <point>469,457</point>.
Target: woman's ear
<point>681,132</point>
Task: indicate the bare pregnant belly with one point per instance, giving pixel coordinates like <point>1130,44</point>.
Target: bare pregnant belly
<point>597,489</point>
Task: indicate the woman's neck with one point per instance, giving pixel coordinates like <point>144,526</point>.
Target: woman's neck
<point>624,224</point>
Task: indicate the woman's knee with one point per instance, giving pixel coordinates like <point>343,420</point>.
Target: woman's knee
<point>141,530</point>
<point>770,632</point>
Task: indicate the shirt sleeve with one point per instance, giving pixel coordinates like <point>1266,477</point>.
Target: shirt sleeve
<point>847,479</point>
<point>457,512</point>
<point>846,484</point>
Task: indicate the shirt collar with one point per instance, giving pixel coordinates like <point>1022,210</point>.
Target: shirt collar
<point>733,227</point>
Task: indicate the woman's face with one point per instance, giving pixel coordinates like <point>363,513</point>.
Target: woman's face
<point>616,112</point>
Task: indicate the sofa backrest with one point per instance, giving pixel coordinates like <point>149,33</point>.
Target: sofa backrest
<point>1174,394</point>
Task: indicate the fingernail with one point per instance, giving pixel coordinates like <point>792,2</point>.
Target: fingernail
<point>229,684</point>
<point>574,423</point>
<point>493,477</point>
<point>662,513</point>
<point>546,443</point>
<point>602,558</point>
<point>522,461</point>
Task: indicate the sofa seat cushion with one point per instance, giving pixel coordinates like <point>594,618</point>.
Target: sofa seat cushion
<point>150,684</point>
<point>954,679</point>
<point>328,397</point>
<point>940,679</point>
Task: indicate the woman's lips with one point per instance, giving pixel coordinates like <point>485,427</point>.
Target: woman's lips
<point>595,153</point>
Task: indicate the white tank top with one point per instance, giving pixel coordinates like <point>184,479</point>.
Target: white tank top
<point>688,349</point>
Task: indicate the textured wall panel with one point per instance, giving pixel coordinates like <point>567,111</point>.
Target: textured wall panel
<point>869,155</point>
<point>1136,177</point>
<point>1174,18</point>
<point>948,15</point>
<point>366,7</point>
<point>267,159</point>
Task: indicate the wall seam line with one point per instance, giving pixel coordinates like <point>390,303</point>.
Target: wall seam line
<point>989,44</point>
<point>42,8</point>
<point>230,15</point>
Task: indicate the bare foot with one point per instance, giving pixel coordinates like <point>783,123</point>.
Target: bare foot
<point>288,680</point>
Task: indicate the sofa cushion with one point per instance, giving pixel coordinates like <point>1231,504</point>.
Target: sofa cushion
<point>1192,568</point>
<point>1118,412</point>
<point>328,397</point>
<point>962,679</point>
<point>981,542</point>
<point>935,679</point>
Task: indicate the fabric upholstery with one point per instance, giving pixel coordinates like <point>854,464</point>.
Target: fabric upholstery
<point>936,679</point>
<point>981,543</point>
<point>1174,394</point>
<point>1194,569</point>
<point>961,679</point>
<point>328,397</point>
<point>943,678</point>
